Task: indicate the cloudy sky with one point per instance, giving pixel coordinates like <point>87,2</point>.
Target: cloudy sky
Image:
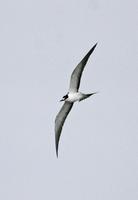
<point>40,44</point>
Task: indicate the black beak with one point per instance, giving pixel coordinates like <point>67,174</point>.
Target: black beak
<point>61,100</point>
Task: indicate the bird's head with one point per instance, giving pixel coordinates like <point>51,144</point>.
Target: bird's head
<point>64,97</point>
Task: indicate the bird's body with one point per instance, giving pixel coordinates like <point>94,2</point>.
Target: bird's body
<point>72,96</point>
<point>76,96</point>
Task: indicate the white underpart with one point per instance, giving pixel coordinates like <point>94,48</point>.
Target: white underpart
<point>74,96</point>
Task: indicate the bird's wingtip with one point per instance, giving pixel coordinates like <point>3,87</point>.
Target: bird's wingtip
<point>57,153</point>
<point>95,45</point>
<point>56,149</point>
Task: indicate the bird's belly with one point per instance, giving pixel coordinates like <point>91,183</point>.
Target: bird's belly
<point>72,97</point>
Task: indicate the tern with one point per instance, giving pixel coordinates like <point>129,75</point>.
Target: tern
<point>72,96</point>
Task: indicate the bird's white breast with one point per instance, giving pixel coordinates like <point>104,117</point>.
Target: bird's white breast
<point>72,97</point>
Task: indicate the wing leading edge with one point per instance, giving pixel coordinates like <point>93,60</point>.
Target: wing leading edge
<point>77,73</point>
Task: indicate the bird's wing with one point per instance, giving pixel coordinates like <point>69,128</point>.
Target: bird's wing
<point>76,74</point>
<point>59,121</point>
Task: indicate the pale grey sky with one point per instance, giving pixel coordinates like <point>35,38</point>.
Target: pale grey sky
<point>40,44</point>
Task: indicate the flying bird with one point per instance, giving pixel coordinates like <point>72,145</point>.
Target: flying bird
<point>72,96</point>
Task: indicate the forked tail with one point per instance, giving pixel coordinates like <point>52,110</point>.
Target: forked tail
<point>87,95</point>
